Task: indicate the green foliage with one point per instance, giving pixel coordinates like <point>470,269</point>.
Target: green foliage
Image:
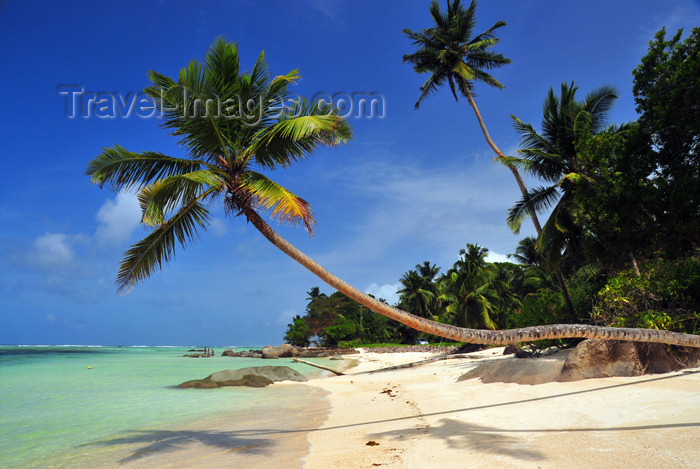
<point>468,290</point>
<point>450,52</point>
<point>667,94</point>
<point>666,296</point>
<point>340,329</point>
<point>332,319</point>
<point>552,155</point>
<point>298,332</point>
<point>545,307</point>
<point>354,343</point>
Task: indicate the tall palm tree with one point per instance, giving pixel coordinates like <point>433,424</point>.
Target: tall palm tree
<point>526,252</point>
<point>415,298</point>
<point>450,53</point>
<point>552,156</point>
<point>419,290</point>
<point>467,290</point>
<point>223,151</point>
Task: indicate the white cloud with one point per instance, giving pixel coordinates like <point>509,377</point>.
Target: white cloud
<point>118,218</point>
<point>52,250</point>
<point>496,257</point>
<point>285,317</point>
<point>427,214</point>
<point>388,291</point>
<point>218,227</point>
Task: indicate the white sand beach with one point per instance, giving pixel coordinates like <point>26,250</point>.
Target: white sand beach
<point>423,417</point>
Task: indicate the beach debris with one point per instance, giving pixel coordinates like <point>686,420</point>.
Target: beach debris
<point>371,443</point>
<point>389,392</point>
<point>318,366</point>
<point>256,376</point>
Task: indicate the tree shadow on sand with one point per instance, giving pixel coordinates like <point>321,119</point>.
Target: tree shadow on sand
<point>164,441</point>
<point>464,436</point>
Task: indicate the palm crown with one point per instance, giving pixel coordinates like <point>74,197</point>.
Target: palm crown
<point>231,124</point>
<point>551,155</point>
<point>449,53</point>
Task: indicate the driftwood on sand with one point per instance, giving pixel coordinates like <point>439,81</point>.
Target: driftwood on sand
<point>318,366</point>
<point>421,362</point>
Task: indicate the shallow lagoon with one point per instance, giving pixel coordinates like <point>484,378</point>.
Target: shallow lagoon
<point>55,411</point>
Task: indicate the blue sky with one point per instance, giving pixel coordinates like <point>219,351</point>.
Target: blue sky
<point>411,186</point>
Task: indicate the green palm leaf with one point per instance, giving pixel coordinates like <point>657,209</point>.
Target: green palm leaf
<point>164,195</point>
<point>158,248</point>
<point>119,168</point>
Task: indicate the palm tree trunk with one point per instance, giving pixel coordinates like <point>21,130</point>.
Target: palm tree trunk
<point>635,266</point>
<point>499,154</point>
<point>523,190</point>
<point>476,336</point>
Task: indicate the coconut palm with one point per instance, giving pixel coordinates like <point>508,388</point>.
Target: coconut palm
<point>415,297</point>
<point>450,53</point>
<point>226,150</point>
<point>467,290</point>
<point>552,156</point>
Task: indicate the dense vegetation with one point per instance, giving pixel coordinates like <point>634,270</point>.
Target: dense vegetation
<point>620,244</point>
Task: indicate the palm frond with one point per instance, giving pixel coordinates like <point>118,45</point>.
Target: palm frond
<point>120,168</point>
<point>283,205</point>
<point>536,200</point>
<point>306,126</point>
<point>158,248</point>
<point>164,195</point>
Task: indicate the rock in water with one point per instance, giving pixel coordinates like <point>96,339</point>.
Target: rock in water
<point>269,352</point>
<point>251,381</point>
<point>285,351</point>
<point>274,373</point>
<point>258,376</point>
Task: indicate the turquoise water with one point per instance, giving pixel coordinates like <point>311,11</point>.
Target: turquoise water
<point>53,407</point>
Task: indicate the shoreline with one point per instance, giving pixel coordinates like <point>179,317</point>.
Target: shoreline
<point>423,417</point>
<point>270,433</point>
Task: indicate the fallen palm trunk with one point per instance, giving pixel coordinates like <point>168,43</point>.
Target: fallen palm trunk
<point>474,336</point>
<point>318,366</point>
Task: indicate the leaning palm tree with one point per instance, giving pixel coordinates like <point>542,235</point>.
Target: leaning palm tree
<point>226,150</point>
<point>450,53</point>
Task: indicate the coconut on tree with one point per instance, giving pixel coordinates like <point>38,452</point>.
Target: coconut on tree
<point>225,152</point>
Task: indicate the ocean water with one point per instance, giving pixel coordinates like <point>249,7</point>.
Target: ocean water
<point>55,411</point>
